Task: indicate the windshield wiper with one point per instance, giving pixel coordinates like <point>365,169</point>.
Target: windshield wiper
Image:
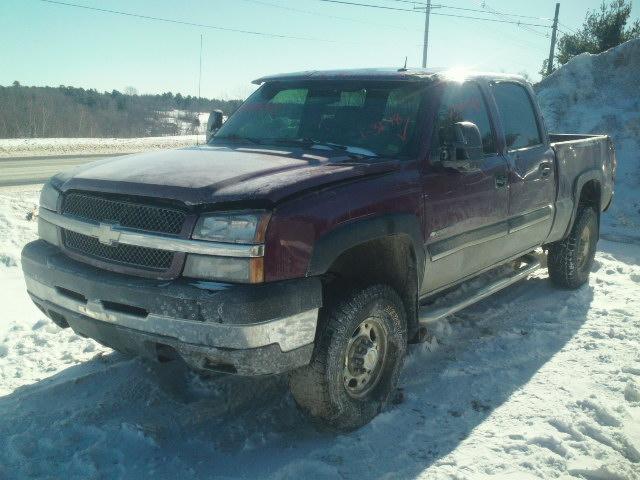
<point>354,152</point>
<point>239,138</point>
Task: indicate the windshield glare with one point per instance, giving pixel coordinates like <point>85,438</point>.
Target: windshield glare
<point>379,117</point>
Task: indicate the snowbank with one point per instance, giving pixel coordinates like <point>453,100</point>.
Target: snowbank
<point>27,147</point>
<point>601,94</point>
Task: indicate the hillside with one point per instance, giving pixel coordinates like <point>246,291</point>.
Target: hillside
<point>46,112</point>
<point>601,94</point>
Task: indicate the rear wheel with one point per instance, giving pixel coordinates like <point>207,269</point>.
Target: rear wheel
<point>570,260</point>
<point>357,362</point>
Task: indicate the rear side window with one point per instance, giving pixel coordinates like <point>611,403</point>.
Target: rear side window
<point>518,117</point>
<point>464,103</point>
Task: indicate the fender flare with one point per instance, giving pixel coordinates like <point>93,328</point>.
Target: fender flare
<point>353,233</point>
<point>580,182</point>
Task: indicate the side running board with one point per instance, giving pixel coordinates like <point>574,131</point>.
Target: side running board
<point>427,314</point>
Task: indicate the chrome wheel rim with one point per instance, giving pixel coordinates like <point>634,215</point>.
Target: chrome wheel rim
<point>584,247</point>
<point>365,357</point>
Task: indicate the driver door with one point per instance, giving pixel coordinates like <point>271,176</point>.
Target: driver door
<point>465,211</point>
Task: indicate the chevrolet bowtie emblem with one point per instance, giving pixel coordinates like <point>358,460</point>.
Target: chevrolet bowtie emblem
<point>107,233</point>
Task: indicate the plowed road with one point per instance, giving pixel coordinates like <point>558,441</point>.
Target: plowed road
<point>28,170</point>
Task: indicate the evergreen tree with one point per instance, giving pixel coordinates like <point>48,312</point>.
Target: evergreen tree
<point>602,29</point>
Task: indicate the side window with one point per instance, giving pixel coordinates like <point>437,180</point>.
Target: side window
<point>518,116</point>
<point>464,103</point>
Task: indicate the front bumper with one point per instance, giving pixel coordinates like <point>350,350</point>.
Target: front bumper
<point>244,329</point>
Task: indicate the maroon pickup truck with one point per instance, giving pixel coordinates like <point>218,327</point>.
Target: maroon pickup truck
<point>314,230</point>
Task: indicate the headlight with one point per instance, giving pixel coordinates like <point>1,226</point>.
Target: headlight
<point>229,227</point>
<point>49,197</point>
<point>232,227</point>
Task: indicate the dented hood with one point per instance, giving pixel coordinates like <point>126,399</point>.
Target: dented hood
<point>215,174</point>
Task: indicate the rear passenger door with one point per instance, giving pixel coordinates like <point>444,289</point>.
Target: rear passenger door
<point>532,183</point>
<point>465,211</point>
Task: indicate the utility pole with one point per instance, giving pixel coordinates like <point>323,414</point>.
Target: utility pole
<point>199,96</point>
<point>553,40</point>
<point>200,72</point>
<point>425,45</point>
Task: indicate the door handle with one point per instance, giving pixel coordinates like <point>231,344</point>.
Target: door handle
<point>545,169</point>
<point>501,180</point>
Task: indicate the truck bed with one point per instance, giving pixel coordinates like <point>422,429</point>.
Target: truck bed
<point>579,158</point>
<point>577,154</point>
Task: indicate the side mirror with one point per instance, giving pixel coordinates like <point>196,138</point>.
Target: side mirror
<point>214,123</point>
<point>462,146</point>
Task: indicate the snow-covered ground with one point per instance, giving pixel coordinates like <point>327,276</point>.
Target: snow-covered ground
<point>532,383</point>
<point>184,120</point>
<point>27,147</point>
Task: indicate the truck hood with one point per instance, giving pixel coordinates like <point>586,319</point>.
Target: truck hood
<point>208,174</point>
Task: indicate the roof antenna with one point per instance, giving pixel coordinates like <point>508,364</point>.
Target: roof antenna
<point>404,69</point>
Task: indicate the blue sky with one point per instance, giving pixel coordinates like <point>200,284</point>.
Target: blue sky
<point>46,44</point>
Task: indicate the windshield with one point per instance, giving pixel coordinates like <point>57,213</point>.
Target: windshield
<point>369,118</point>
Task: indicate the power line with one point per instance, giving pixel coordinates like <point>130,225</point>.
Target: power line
<point>506,32</point>
<point>342,2</point>
<point>489,10</point>
<point>522,25</point>
<point>573,30</point>
<point>515,22</point>
<point>308,12</point>
<point>183,22</point>
<point>276,35</point>
<point>451,7</point>
<point>500,13</point>
<point>492,11</point>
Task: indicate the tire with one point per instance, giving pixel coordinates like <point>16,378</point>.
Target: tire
<point>334,389</point>
<point>570,260</point>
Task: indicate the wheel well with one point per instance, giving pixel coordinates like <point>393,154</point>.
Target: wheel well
<point>388,260</point>
<point>590,195</point>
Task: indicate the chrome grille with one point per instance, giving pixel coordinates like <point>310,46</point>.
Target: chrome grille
<point>130,255</point>
<point>126,214</point>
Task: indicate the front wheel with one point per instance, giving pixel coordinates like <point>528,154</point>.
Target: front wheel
<point>357,361</point>
<point>570,260</point>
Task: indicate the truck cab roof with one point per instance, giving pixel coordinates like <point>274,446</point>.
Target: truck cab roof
<point>392,74</point>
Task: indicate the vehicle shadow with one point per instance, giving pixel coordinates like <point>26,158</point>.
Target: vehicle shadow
<point>115,417</point>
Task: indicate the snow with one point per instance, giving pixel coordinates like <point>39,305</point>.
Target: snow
<point>531,383</point>
<point>177,117</point>
<point>27,147</point>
